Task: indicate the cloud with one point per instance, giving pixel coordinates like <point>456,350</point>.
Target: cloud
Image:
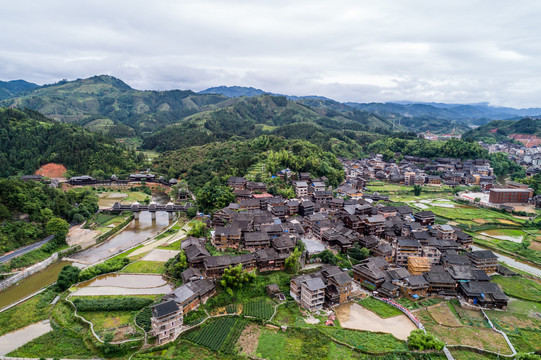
<point>460,51</point>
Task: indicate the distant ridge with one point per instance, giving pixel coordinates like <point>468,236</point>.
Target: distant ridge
<point>13,88</point>
<point>239,91</point>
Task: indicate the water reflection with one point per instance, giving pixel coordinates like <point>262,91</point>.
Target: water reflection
<point>124,284</point>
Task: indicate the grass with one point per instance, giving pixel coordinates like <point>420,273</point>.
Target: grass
<point>519,287</point>
<point>29,312</point>
<point>370,342</point>
<point>173,246</point>
<point>417,304</point>
<point>477,336</point>
<point>471,355</point>
<point>289,314</point>
<point>521,323</point>
<point>166,233</point>
<point>467,214</point>
<point>58,343</point>
<point>382,309</point>
<point>301,344</point>
<point>107,321</point>
<point>145,267</point>
<point>181,350</point>
<point>134,196</point>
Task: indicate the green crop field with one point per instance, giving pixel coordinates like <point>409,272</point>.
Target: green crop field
<point>519,287</point>
<point>214,334</point>
<point>259,308</point>
<point>382,309</point>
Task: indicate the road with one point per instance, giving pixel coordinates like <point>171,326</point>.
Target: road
<point>21,251</point>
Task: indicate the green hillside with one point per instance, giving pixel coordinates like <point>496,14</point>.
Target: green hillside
<point>247,118</point>
<point>199,164</point>
<point>29,140</point>
<point>105,97</point>
<point>499,130</point>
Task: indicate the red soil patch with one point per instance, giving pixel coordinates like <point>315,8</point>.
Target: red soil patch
<point>528,140</point>
<point>52,170</point>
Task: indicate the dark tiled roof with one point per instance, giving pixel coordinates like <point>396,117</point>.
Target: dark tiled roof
<point>165,308</point>
<point>315,284</point>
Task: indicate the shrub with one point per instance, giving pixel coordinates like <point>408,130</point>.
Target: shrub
<point>103,268</point>
<point>67,277</point>
<point>112,304</point>
<point>421,341</point>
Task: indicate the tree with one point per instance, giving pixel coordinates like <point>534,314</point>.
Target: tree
<point>214,196</point>
<point>292,262</point>
<point>175,266</point>
<point>67,277</point>
<point>327,257</point>
<point>59,228</point>
<point>417,189</point>
<point>191,212</point>
<point>235,278</point>
<point>358,253</point>
<point>475,188</point>
<point>78,218</point>
<point>198,230</point>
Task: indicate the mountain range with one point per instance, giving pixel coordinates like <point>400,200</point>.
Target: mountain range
<point>168,120</point>
<point>478,111</point>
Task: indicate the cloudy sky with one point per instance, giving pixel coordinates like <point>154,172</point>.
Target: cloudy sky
<point>448,51</point>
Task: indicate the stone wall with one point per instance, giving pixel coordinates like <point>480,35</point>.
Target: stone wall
<point>28,271</point>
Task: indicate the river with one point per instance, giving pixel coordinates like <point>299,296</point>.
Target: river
<point>512,262</point>
<point>135,233</point>
<point>31,284</point>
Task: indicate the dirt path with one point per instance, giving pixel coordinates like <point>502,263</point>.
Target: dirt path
<point>14,340</point>
<point>248,339</point>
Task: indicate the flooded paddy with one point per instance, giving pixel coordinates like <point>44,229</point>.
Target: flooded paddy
<point>31,284</point>
<point>354,316</point>
<point>505,234</point>
<point>14,340</point>
<point>124,284</point>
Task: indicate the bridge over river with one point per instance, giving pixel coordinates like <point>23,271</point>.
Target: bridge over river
<point>136,208</point>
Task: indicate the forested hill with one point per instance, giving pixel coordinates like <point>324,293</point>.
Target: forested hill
<point>499,130</point>
<point>107,102</point>
<point>199,164</point>
<point>338,131</point>
<point>28,140</point>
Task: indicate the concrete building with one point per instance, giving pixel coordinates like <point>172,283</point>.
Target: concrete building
<point>509,196</point>
<point>166,321</point>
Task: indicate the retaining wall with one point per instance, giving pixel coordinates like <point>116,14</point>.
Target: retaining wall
<point>28,271</point>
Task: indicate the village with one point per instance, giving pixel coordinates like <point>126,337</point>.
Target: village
<point>369,258</point>
<point>411,255</point>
